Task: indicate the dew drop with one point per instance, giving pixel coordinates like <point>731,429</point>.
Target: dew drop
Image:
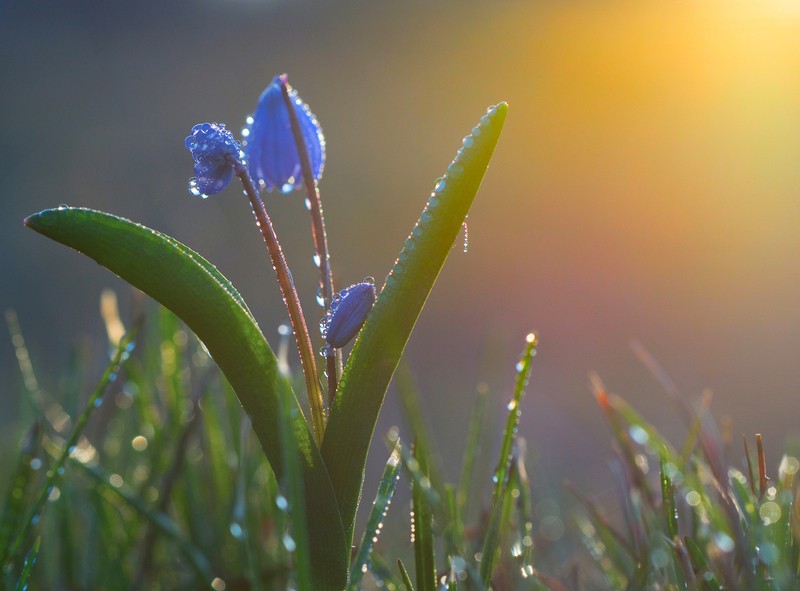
<point>289,543</point>
<point>441,183</point>
<point>468,141</point>
<point>281,503</point>
<point>316,260</point>
<point>466,236</point>
<point>455,169</point>
<point>369,280</point>
<point>236,530</point>
<point>308,204</point>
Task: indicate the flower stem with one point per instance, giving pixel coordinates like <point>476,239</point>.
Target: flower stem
<point>290,298</point>
<point>334,357</point>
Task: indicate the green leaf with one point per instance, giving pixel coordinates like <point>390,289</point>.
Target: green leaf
<point>207,302</point>
<point>380,345</point>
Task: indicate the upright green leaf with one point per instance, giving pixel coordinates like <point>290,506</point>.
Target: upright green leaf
<point>207,302</point>
<point>378,349</point>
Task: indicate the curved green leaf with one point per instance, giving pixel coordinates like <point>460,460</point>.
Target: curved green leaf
<point>207,302</point>
<point>379,346</point>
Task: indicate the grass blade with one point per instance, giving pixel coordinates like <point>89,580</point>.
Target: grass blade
<point>501,475</point>
<point>422,526</point>
<point>404,575</point>
<point>380,506</point>
<point>471,454</point>
<point>292,484</point>
<point>668,501</point>
<point>207,302</point>
<point>14,505</point>
<point>30,560</point>
<point>196,559</point>
<point>55,471</point>
<point>380,345</point>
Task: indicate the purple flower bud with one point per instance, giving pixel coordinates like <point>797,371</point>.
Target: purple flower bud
<point>211,146</point>
<point>349,310</point>
<point>269,147</point>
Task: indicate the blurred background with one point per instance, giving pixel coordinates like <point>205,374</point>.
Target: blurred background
<point>646,186</point>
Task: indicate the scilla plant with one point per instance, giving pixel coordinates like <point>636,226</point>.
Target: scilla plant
<point>319,463</point>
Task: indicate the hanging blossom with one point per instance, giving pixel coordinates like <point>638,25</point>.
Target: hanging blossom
<point>269,146</point>
<point>214,150</point>
<point>348,312</point>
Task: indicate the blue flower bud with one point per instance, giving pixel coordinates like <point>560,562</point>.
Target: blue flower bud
<point>269,148</point>
<point>211,146</point>
<point>349,309</point>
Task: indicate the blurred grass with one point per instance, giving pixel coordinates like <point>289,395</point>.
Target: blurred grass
<point>166,488</point>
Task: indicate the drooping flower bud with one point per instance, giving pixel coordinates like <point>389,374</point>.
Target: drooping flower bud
<point>349,310</point>
<point>269,146</point>
<point>211,145</point>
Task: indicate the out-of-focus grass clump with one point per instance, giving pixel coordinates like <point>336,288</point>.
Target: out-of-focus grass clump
<point>163,487</point>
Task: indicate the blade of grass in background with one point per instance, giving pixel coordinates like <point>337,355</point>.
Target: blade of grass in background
<point>380,506</point>
<point>191,287</point>
<point>14,505</point>
<point>196,559</point>
<point>668,501</point>
<point>296,541</point>
<point>500,478</point>
<point>470,455</point>
<point>30,560</point>
<point>404,575</point>
<point>422,526</point>
<point>380,345</point>
<point>57,468</point>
